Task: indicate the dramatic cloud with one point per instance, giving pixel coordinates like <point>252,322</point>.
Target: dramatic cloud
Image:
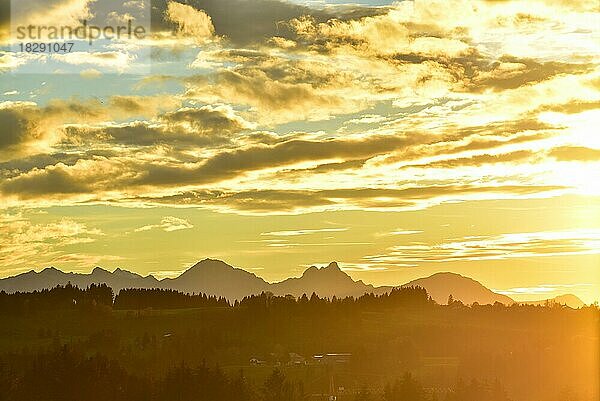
<point>230,18</point>
<point>346,107</point>
<point>30,129</point>
<point>274,100</point>
<point>192,22</point>
<point>101,173</point>
<point>26,128</point>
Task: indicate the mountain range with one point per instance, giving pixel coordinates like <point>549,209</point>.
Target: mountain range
<point>215,277</point>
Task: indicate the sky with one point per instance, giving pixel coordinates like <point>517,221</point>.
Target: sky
<point>399,139</point>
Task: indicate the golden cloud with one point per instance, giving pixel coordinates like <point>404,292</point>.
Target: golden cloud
<point>494,247</point>
<point>23,241</point>
<point>190,21</point>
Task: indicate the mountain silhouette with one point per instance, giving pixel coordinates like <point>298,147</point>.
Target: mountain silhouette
<point>215,277</point>
<point>441,285</point>
<point>51,277</point>
<point>325,282</point>
<point>569,300</point>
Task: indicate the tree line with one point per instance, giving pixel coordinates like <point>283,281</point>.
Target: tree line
<point>98,295</point>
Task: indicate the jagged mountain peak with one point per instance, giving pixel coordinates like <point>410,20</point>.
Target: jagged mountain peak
<point>332,267</point>
<point>326,281</point>
<point>51,277</point>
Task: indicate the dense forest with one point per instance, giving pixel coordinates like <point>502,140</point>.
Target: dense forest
<point>73,344</point>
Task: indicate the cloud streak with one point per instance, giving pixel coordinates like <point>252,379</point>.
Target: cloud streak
<point>495,247</point>
<point>168,224</point>
<point>290,233</point>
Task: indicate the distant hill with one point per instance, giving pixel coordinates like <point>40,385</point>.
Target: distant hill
<point>569,300</point>
<point>441,285</point>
